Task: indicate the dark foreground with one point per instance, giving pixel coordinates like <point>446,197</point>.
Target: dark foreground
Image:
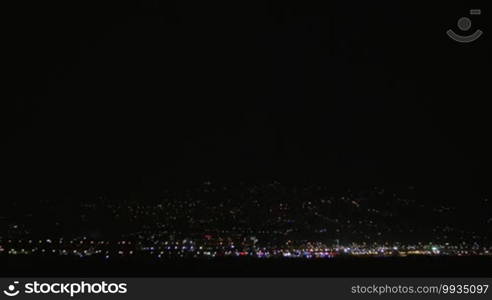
<point>341,267</point>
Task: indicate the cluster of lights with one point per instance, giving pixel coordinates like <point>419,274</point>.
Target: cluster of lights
<point>189,248</point>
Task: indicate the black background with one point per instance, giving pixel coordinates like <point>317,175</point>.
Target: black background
<point>112,97</point>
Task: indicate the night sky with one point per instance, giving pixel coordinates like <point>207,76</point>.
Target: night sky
<point>125,97</point>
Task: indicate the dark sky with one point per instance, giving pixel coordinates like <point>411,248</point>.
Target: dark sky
<point>123,96</point>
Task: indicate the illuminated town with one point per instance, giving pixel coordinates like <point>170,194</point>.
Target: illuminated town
<point>261,221</point>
